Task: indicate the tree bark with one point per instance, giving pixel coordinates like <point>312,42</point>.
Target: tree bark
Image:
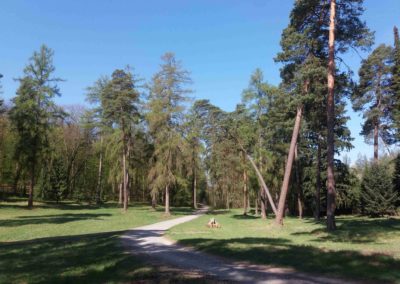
<point>120,193</point>
<point>125,185</point>
<point>167,212</point>
<point>318,184</point>
<point>31,188</point>
<point>194,190</point>
<point>263,205</point>
<point>262,183</point>
<point>331,191</point>
<point>288,169</point>
<point>100,171</point>
<point>256,204</point>
<point>245,190</point>
<point>300,203</point>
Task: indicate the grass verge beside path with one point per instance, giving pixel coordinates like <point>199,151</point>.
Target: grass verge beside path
<point>75,243</point>
<point>361,248</point>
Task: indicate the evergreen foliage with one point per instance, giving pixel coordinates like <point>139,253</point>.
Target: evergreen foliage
<point>377,193</point>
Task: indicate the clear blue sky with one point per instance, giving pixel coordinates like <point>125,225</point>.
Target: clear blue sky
<point>220,42</point>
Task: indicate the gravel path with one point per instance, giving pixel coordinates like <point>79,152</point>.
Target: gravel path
<point>149,241</point>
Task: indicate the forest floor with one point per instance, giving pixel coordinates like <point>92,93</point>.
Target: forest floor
<point>362,248</point>
<point>78,243</point>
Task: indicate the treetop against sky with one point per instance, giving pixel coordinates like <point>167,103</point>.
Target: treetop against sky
<point>221,43</point>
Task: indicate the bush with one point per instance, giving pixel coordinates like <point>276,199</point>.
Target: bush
<point>377,193</point>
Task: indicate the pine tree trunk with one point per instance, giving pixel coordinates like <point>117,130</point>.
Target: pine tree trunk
<point>300,203</point>
<point>263,205</point>
<point>256,204</point>
<point>31,187</point>
<point>263,186</point>
<point>194,189</point>
<point>245,190</point>
<point>100,171</point>
<point>16,178</point>
<point>331,191</point>
<point>376,137</point>
<point>120,194</point>
<point>167,212</point>
<point>288,169</point>
<point>318,184</point>
<point>125,185</point>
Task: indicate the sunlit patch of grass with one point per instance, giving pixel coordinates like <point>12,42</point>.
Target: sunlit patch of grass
<point>361,248</point>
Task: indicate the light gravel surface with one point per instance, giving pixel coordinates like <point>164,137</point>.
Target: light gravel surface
<point>150,241</point>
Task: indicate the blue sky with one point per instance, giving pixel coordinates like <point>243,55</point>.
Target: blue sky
<point>220,42</point>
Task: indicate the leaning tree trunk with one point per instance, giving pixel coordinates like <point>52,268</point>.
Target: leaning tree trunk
<point>331,191</point>
<point>288,169</point>
<point>262,183</point>
<point>167,212</point>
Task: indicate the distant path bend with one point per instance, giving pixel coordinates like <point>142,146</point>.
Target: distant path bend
<point>150,241</point>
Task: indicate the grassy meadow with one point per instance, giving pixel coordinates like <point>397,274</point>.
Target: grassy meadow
<point>74,243</point>
<point>362,248</point>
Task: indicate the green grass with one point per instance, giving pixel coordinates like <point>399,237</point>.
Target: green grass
<point>74,243</point>
<point>361,248</point>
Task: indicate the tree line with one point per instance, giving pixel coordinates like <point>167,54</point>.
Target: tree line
<point>276,152</point>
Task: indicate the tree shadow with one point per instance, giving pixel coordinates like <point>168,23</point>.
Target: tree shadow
<point>283,253</point>
<point>218,212</point>
<point>91,258</point>
<point>177,210</point>
<point>355,230</point>
<point>244,217</point>
<point>50,219</point>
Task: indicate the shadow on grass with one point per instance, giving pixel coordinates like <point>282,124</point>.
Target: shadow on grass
<point>92,258</point>
<point>356,230</point>
<point>245,217</point>
<point>177,210</point>
<point>218,212</point>
<point>282,253</point>
<point>50,219</point>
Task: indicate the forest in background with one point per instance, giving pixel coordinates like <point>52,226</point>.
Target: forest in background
<point>150,141</point>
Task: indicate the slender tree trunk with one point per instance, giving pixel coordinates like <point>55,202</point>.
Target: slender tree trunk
<point>300,203</point>
<point>120,193</point>
<point>167,212</point>
<point>153,201</point>
<point>263,203</point>
<point>288,169</point>
<point>331,191</point>
<point>100,171</point>
<point>262,183</point>
<point>245,190</point>
<point>318,184</point>
<point>256,203</point>
<point>376,135</point>
<point>194,190</point>
<point>124,178</point>
<point>31,187</point>
<point>16,177</point>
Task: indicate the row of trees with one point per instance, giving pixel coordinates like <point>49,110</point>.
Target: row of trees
<point>149,141</point>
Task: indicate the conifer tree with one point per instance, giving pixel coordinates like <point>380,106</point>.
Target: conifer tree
<point>377,194</point>
<point>373,97</point>
<point>34,111</point>
<point>168,93</point>
<point>120,100</point>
